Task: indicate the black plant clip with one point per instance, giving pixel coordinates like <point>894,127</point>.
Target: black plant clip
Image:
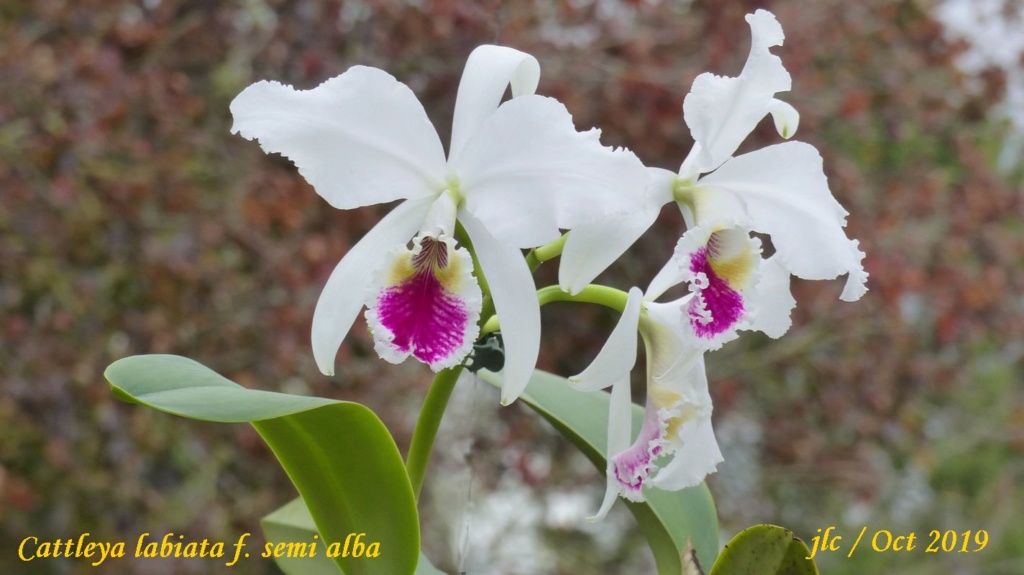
<point>488,353</point>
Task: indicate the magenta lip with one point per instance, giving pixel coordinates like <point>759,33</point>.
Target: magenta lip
<point>633,466</point>
<point>724,304</point>
<point>426,320</point>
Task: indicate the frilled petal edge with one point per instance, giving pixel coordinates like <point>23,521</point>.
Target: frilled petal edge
<point>722,111</point>
<point>359,139</point>
<point>771,300</point>
<point>784,193</point>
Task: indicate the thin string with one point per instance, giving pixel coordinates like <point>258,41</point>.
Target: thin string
<point>467,508</point>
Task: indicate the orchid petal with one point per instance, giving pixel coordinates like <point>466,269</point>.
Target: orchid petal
<point>669,352</point>
<point>632,467</point>
<point>698,458</point>
<point>489,70</point>
<point>515,300</point>
<point>344,294</point>
<point>722,111</point>
<point>425,303</point>
<point>785,194</point>
<point>772,300</point>
<point>695,452</point>
<point>359,139</point>
<point>786,118</point>
<point>618,355</point>
<point>669,276</point>
<point>591,247</point>
<point>620,428</point>
<point>527,172</point>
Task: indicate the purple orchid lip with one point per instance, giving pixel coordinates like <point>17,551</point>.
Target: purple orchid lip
<point>430,306</point>
<point>426,319</point>
<point>633,467</point>
<point>723,304</point>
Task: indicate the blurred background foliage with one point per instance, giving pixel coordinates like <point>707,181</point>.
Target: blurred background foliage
<point>132,221</point>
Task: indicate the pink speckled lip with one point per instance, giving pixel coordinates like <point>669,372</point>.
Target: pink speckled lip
<point>722,302</point>
<point>633,466</point>
<point>424,318</point>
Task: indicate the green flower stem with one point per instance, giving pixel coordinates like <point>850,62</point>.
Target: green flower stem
<point>426,426</point>
<point>537,256</point>
<point>436,401</point>
<point>463,238</point>
<point>487,307</point>
<point>601,295</point>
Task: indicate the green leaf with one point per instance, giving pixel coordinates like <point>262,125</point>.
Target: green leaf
<point>765,550</point>
<point>668,518</point>
<point>339,455</point>
<point>292,522</point>
<point>796,561</point>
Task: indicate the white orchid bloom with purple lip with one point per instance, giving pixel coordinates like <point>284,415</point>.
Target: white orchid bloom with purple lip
<point>676,446</point>
<point>780,190</point>
<point>515,173</point>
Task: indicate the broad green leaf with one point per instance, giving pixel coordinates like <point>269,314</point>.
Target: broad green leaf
<point>425,567</point>
<point>668,518</point>
<point>292,522</point>
<point>339,455</point>
<point>765,550</point>
<point>796,561</point>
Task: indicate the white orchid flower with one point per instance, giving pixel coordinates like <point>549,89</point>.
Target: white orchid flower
<point>676,446</point>
<point>780,190</point>
<point>515,173</point>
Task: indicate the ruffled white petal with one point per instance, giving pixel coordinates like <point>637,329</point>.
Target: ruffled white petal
<point>620,428</point>
<point>527,172</point>
<point>693,447</point>
<point>618,355</point>
<point>698,458</point>
<point>489,70</point>
<point>345,292</point>
<point>722,111</point>
<point>515,300</point>
<point>785,194</point>
<point>360,138</point>
<point>771,300</point>
<point>591,247</point>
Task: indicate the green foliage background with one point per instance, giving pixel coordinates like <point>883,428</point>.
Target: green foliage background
<point>131,222</point>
